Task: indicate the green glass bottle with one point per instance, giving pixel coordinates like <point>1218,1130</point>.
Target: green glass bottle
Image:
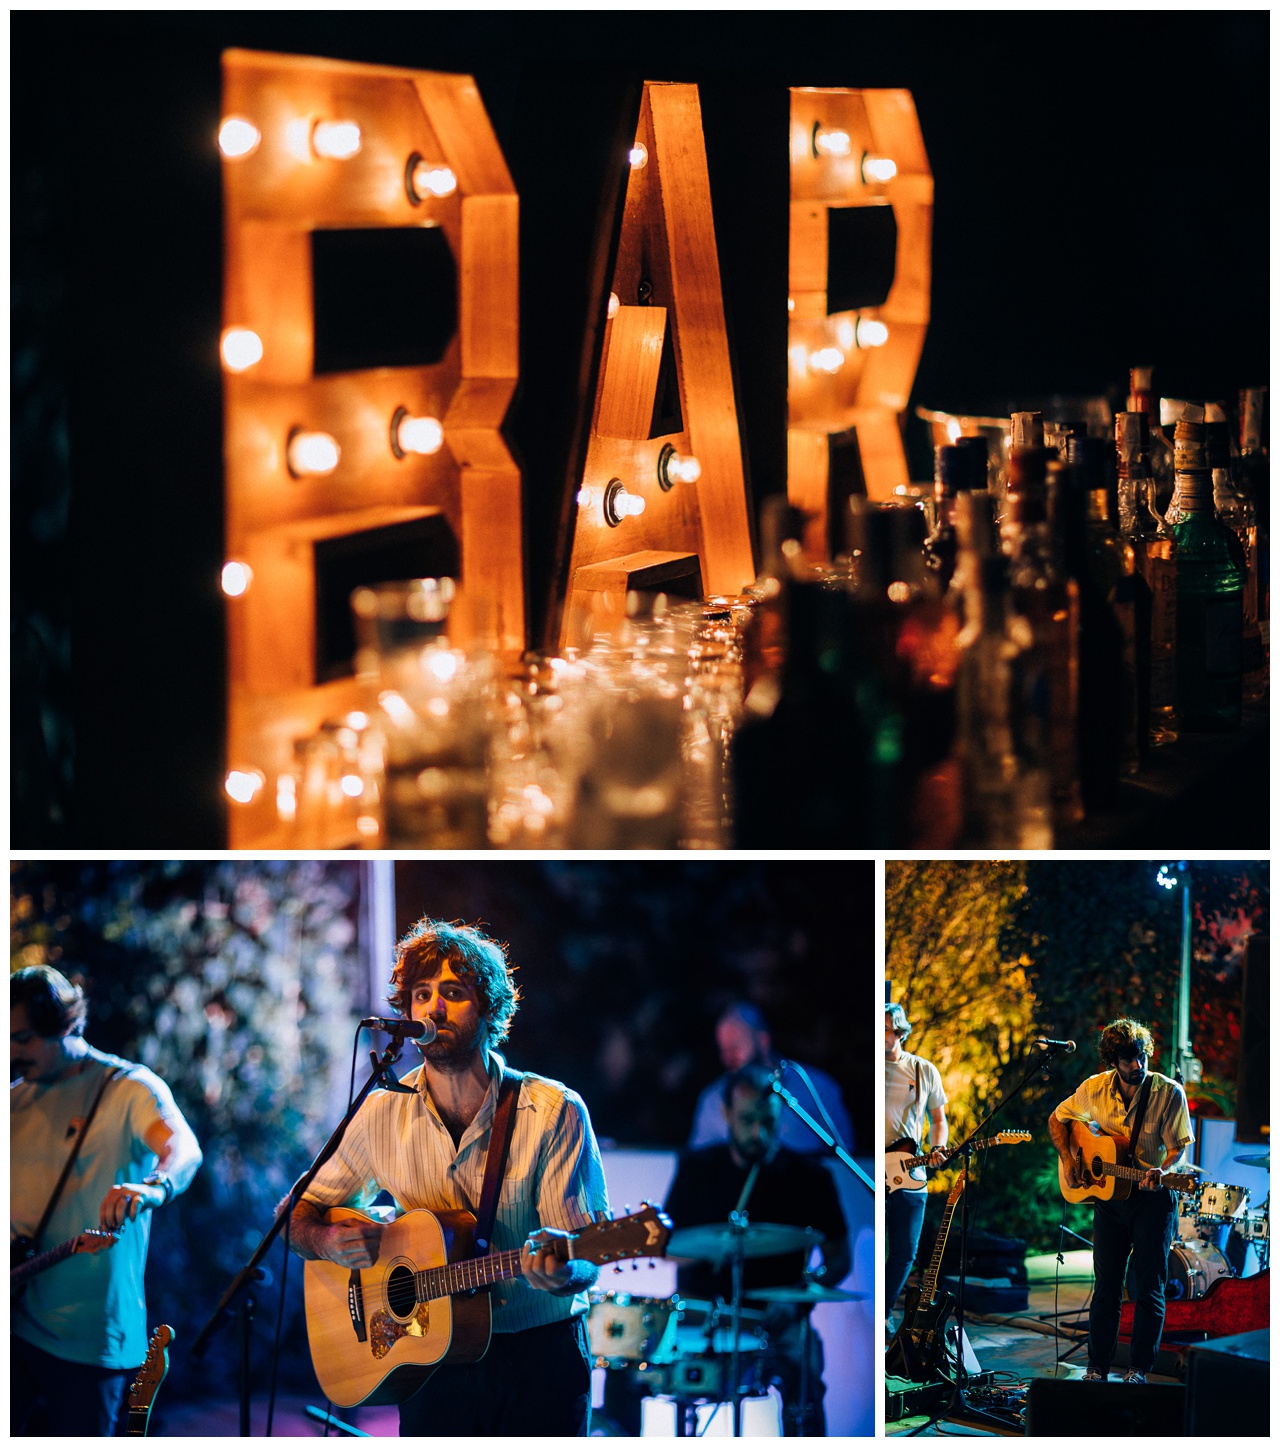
<point>1210,596</point>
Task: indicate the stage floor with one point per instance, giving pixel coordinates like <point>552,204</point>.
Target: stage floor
<point>1017,1348</point>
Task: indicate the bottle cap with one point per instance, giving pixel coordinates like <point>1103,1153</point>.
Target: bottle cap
<point>977,450</point>
<point>950,470</point>
<point>1140,379</point>
<point>1131,436</point>
<point>1026,430</point>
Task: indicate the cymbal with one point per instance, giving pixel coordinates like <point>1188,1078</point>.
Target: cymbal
<point>717,1242</point>
<point>811,1293</point>
<point>1263,1161</point>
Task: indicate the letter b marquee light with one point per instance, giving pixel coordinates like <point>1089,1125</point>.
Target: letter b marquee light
<point>346,423</point>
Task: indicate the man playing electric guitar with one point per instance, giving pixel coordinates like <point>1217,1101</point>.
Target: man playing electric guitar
<point>427,1148</point>
<point>913,1094</point>
<point>1148,1113</point>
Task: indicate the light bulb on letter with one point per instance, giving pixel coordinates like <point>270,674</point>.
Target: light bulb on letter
<point>423,435</point>
<point>868,332</point>
<point>676,467</point>
<point>335,140</point>
<point>628,504</point>
<point>312,454</point>
<point>877,169</point>
<point>638,155</point>
<point>831,141</point>
<point>244,785</point>
<point>429,179</point>
<point>238,137</point>
<point>241,349</point>
<point>236,578</point>
<point>827,359</point>
<point>614,304</point>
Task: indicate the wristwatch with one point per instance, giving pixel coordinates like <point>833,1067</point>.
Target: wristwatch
<point>158,1178</point>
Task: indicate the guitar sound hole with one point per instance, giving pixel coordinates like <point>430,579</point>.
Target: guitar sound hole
<point>401,1297</point>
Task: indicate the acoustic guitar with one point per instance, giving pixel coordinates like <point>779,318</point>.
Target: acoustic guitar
<point>916,1349</point>
<point>1104,1161</point>
<point>23,1267</point>
<point>377,1334</point>
<point>142,1394</point>
<point>904,1163</point>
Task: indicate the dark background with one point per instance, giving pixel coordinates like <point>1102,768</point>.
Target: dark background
<point>1101,200</point>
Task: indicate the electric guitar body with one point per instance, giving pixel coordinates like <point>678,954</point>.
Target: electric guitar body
<point>917,1349</point>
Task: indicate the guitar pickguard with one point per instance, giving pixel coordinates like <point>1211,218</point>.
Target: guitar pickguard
<point>385,1331</point>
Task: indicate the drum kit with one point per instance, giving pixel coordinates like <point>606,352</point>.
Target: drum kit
<point>699,1357</point>
<point>1215,1226</point>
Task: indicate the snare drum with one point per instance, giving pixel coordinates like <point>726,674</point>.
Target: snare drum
<point>1193,1268</point>
<point>1218,1202</point>
<point>623,1329</point>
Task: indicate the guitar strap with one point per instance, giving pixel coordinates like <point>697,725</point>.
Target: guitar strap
<point>495,1161</point>
<point>1144,1096</point>
<point>34,1247</point>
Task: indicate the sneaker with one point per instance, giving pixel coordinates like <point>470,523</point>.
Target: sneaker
<point>1133,1375</point>
<point>1094,1376</point>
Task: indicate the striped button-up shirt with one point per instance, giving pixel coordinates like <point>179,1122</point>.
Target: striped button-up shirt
<point>554,1177</point>
<point>1166,1125</point>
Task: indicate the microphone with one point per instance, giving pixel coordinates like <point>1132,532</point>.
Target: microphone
<point>422,1030</point>
<point>1068,1045</point>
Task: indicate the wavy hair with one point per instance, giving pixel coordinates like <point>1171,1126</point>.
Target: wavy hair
<point>473,955</point>
<point>1123,1038</point>
<point>53,1004</point>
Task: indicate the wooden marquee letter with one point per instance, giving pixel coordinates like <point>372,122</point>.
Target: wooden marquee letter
<point>853,368</point>
<point>664,394</point>
<point>350,423</point>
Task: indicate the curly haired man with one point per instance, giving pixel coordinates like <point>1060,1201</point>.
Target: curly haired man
<point>1147,1111</point>
<point>427,1149</point>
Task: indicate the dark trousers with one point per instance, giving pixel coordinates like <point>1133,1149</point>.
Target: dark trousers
<point>904,1216</point>
<point>53,1398</point>
<point>534,1383</point>
<point>1142,1226</point>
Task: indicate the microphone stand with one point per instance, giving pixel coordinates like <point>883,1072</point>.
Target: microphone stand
<point>846,1160</point>
<point>956,1403</point>
<point>238,1291</point>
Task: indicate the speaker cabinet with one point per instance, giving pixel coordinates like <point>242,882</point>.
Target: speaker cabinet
<point>1084,1409</point>
<point>1227,1386</point>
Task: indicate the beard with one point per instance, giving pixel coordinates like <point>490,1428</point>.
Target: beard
<point>453,1051</point>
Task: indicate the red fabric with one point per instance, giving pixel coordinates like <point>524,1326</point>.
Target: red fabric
<point>1228,1307</point>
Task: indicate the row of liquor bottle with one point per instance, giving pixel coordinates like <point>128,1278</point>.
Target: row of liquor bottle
<point>991,678</point>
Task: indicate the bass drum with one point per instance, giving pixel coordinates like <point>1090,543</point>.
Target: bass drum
<point>623,1329</point>
<point>1193,1268</point>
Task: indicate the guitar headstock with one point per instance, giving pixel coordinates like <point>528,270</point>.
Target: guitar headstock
<point>953,1195</point>
<point>643,1233</point>
<point>153,1371</point>
<point>1010,1137</point>
<point>91,1241</point>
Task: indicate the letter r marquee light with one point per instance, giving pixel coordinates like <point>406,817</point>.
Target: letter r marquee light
<point>853,368</point>
<point>314,458</point>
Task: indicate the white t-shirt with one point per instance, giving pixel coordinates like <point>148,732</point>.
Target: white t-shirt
<point>89,1308</point>
<point>907,1106</point>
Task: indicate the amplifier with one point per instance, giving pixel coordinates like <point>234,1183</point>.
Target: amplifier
<point>1075,1408</point>
<point>1232,1370</point>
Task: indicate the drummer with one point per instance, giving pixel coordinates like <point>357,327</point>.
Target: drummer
<point>785,1189</point>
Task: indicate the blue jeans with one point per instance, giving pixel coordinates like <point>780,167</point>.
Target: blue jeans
<point>904,1216</point>
<point>1144,1225</point>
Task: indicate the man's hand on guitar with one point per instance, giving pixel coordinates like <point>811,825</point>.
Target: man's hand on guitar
<point>541,1265</point>
<point>1074,1168</point>
<point>937,1157</point>
<point>1151,1181</point>
<point>353,1244</point>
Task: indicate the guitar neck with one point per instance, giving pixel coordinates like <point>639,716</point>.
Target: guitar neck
<point>935,1261</point>
<point>470,1275</point>
<point>137,1424</point>
<point>42,1262</point>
